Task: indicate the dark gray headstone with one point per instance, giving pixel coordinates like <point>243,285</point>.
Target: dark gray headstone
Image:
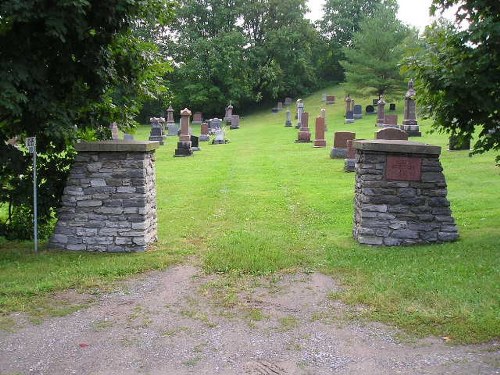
<point>358,111</point>
<point>195,143</point>
<point>392,107</point>
<point>370,110</point>
<point>349,117</point>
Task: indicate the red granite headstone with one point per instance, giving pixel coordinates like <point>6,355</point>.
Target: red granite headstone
<point>392,134</point>
<point>340,139</point>
<point>320,133</point>
<point>197,118</point>
<point>391,120</point>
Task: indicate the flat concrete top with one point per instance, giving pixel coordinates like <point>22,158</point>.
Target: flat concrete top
<point>397,146</point>
<point>117,146</point>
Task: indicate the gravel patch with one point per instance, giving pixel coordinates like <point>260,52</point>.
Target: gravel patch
<point>162,323</point>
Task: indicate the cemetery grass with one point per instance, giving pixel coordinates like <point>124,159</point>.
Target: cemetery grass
<point>264,205</point>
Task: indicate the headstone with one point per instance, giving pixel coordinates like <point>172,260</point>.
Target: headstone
<point>410,124</point>
<point>323,97</point>
<point>391,121</point>
<point>358,112</point>
<point>235,122</point>
<point>323,116</point>
<point>391,134</point>
<point>214,124</point>
<point>109,202</point>
<point>197,118</point>
<point>128,137</point>
<point>380,112</point>
<point>370,110</point>
<point>319,140</point>
<point>400,194</point>
<point>350,159</point>
<point>288,101</point>
<point>288,122</point>
<point>184,144</point>
<point>348,105</point>
<point>274,110</point>
<point>392,107</point>
<point>339,150</point>
<point>280,106</point>
<point>156,134</point>
<point>304,133</point>
<point>456,143</point>
<point>170,115</point>
<point>172,127</point>
<point>300,111</point>
<point>330,99</point>
<point>114,131</point>
<point>349,117</point>
<point>219,137</point>
<point>195,146</point>
<point>229,114</point>
<point>375,101</point>
<point>204,132</point>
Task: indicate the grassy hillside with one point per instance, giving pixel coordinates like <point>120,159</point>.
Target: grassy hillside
<point>263,204</point>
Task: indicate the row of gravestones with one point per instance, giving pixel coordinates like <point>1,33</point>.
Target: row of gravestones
<point>279,106</point>
<point>187,141</point>
<point>400,193</point>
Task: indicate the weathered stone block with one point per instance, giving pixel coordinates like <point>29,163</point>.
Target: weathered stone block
<point>111,188</point>
<point>409,203</point>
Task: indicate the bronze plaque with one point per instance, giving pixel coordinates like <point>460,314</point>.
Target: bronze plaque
<point>400,168</point>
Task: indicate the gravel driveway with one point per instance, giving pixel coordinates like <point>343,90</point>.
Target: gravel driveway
<point>172,322</point>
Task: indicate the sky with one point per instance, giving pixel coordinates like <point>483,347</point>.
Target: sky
<point>411,12</point>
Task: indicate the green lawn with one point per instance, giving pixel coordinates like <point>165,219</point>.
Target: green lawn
<point>263,204</point>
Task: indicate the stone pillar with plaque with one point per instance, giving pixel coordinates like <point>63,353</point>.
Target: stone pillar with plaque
<point>400,194</point>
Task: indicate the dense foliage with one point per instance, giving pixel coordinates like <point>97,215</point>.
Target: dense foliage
<point>67,65</point>
<point>240,51</point>
<point>457,72</point>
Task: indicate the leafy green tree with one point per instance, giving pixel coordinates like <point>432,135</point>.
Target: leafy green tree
<point>243,51</point>
<point>372,62</point>
<point>341,19</point>
<point>457,72</point>
<point>64,65</point>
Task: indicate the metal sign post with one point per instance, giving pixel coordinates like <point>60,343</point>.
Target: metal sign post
<point>31,144</point>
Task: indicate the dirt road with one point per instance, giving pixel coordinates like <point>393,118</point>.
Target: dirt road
<point>180,321</point>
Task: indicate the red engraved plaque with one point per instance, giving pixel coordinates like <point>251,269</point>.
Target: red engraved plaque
<point>400,168</point>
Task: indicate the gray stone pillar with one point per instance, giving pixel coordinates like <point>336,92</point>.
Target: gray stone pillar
<point>109,202</point>
<point>400,194</point>
<point>381,112</point>
<point>300,111</point>
<point>410,124</point>
<point>288,122</point>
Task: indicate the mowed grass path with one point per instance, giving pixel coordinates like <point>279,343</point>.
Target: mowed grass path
<point>263,204</point>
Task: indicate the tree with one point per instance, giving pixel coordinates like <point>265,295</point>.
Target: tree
<point>64,65</point>
<point>457,72</point>
<point>341,19</point>
<point>371,65</point>
<point>244,51</point>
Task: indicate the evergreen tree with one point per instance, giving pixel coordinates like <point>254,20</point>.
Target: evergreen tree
<point>372,63</point>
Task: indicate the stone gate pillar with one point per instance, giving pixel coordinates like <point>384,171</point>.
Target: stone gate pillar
<point>109,202</point>
<point>400,194</point>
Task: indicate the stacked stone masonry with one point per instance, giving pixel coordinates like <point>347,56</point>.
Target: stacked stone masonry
<point>408,211</point>
<point>109,202</point>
